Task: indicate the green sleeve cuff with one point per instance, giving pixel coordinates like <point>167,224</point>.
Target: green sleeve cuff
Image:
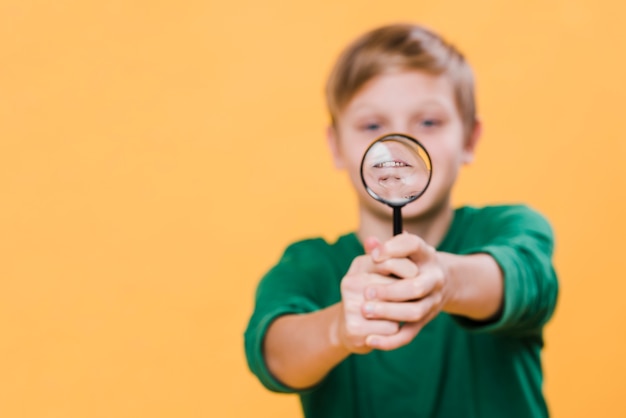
<point>255,336</point>
<point>515,293</point>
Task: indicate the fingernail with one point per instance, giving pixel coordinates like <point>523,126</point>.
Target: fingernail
<point>370,293</point>
<point>372,341</point>
<point>369,309</point>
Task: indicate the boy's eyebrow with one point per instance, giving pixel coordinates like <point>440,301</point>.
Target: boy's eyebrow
<point>430,102</point>
<point>436,102</point>
<point>365,106</point>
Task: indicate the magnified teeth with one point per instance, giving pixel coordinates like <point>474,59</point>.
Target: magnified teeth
<point>391,164</point>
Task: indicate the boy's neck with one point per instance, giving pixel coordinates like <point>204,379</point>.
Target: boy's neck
<point>431,227</point>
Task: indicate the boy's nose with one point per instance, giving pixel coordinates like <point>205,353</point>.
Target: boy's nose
<point>400,127</point>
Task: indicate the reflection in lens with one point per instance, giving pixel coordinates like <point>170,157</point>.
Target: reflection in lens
<point>396,170</point>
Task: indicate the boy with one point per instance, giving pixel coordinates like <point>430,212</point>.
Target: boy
<point>443,320</point>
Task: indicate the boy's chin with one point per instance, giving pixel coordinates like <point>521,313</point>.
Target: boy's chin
<point>422,209</point>
<point>412,211</point>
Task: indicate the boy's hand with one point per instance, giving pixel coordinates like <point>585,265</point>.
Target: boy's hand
<point>353,327</point>
<point>414,300</point>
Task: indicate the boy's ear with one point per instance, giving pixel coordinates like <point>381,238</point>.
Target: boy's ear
<point>332,137</point>
<point>471,142</point>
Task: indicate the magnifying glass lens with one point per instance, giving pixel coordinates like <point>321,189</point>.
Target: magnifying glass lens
<point>396,169</point>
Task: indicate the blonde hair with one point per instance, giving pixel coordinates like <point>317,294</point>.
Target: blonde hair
<point>400,47</point>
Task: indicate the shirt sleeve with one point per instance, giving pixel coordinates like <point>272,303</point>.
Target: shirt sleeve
<point>522,243</point>
<point>290,287</point>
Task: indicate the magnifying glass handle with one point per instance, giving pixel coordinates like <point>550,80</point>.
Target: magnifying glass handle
<point>397,220</point>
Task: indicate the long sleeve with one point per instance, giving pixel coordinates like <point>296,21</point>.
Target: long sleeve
<point>522,243</point>
<point>306,279</point>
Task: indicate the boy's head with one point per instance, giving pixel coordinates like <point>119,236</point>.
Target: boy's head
<point>403,79</point>
<point>398,48</point>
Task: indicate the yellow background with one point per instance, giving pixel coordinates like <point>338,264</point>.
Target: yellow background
<point>157,156</point>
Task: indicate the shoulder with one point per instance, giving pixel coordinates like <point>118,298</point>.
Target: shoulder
<point>514,215</point>
<point>498,225</point>
<point>499,210</point>
<point>313,250</point>
<point>309,267</point>
<point>314,244</point>
<point>305,246</point>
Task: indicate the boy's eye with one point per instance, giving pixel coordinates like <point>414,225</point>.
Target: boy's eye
<point>429,123</point>
<point>371,126</point>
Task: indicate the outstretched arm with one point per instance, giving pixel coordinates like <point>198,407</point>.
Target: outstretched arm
<point>466,285</point>
<point>300,350</point>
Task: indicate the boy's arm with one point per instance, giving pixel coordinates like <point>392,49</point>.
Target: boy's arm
<point>523,251</point>
<point>466,285</point>
<point>506,286</point>
<point>476,286</point>
<point>300,350</point>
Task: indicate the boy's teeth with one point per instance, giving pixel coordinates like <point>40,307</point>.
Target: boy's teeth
<point>391,164</point>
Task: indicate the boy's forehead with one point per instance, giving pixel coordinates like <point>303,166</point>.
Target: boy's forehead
<point>410,87</point>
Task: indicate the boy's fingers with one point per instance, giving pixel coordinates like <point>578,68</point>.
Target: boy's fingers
<point>406,334</point>
<point>391,342</point>
<point>360,264</point>
<point>402,290</point>
<point>399,311</point>
<point>370,244</point>
<point>364,327</point>
<point>397,267</point>
<point>404,245</point>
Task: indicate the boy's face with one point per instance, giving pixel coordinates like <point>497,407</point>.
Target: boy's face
<point>413,103</point>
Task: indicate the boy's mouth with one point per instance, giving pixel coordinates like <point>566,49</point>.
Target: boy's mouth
<point>395,163</point>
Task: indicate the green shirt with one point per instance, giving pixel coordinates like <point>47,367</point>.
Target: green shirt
<point>454,367</point>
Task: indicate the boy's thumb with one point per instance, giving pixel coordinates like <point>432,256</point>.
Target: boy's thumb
<point>372,246</point>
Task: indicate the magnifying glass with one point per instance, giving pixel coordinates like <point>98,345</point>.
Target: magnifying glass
<point>396,169</point>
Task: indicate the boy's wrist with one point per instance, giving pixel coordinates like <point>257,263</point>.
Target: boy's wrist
<point>336,340</point>
<point>474,284</point>
<point>453,286</point>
